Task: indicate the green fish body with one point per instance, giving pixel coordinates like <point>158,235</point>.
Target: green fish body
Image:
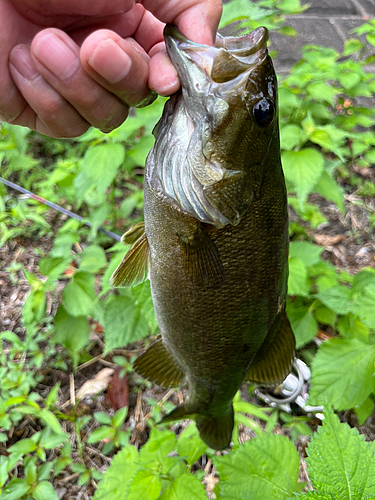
<point>215,236</point>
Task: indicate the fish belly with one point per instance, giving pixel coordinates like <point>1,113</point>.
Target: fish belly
<point>215,333</point>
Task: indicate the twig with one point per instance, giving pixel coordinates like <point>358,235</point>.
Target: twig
<point>89,362</point>
<point>304,470</point>
<point>72,390</point>
<point>98,453</point>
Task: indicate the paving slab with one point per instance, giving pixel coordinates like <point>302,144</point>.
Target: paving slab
<point>312,30</point>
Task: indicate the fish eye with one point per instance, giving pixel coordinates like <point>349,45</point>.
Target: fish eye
<point>263,112</point>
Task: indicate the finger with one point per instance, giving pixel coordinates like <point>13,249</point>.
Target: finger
<point>44,109</point>
<point>118,65</point>
<point>163,75</point>
<point>196,19</point>
<point>56,57</point>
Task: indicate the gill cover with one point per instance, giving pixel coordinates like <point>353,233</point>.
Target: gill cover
<point>200,158</point>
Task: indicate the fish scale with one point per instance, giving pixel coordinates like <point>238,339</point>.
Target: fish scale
<point>218,267</point>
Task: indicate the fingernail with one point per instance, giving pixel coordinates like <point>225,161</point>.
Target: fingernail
<point>56,56</point>
<point>20,59</point>
<point>110,61</point>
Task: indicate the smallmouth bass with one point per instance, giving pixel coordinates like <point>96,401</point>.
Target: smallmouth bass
<point>215,236</point>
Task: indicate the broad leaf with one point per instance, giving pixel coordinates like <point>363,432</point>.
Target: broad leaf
<point>189,444</point>
<point>146,486</point>
<point>303,169</point>
<point>71,332</point>
<point>186,486</point>
<point>330,190</point>
<point>92,259</point>
<point>79,295</point>
<point>343,373</point>
<point>340,461</point>
<point>119,475</point>
<point>123,323</point>
<point>297,281</point>
<point>307,252</point>
<point>303,324</point>
<point>265,467</point>
<point>100,164</point>
<point>44,491</point>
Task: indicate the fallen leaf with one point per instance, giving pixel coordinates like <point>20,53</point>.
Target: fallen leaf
<point>118,390</point>
<point>325,240</point>
<point>95,385</point>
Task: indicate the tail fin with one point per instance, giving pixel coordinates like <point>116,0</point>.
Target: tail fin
<point>216,432</point>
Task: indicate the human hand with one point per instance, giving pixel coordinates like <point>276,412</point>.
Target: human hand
<point>68,64</point>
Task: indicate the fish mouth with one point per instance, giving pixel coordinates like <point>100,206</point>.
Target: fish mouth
<point>228,60</point>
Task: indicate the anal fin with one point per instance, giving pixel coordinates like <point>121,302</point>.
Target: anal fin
<point>133,267</point>
<point>202,259</point>
<point>157,365</point>
<point>273,362</point>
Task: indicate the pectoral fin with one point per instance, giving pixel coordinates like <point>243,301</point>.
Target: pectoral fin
<point>274,360</point>
<point>202,259</point>
<point>133,268</point>
<point>157,365</point>
<point>134,233</point>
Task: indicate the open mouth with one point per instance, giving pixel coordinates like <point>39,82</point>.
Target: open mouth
<point>230,58</point>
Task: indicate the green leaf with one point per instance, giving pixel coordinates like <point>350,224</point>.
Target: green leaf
<point>100,164</point>
<point>297,281</point>
<point>307,252</point>
<point>50,419</point>
<point>351,46</point>
<point>288,31</point>
<point>120,416</point>
<point>313,495</point>
<point>119,475</point>
<point>103,432</point>
<point>349,80</point>
<point>265,467</point>
<point>102,417</point>
<point>351,327</point>
<point>364,410</point>
<point>343,373</point>
<point>24,446</point>
<point>45,491</point>
<point>303,323</point>
<point>364,305</point>
<point>290,136</point>
<point>337,298</point>
<point>79,295</point>
<point>340,461</point>
<point>92,259</point>
<point>72,333</point>
<point>54,266</point>
<point>189,444</point>
<point>15,489</point>
<point>330,190</point>
<point>321,91</point>
<point>146,486</point>
<point>303,169</point>
<point>186,486</point>
<point>371,39</point>
<point>123,323</point>
<point>325,315</point>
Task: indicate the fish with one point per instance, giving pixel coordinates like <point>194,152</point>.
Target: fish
<point>214,241</point>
